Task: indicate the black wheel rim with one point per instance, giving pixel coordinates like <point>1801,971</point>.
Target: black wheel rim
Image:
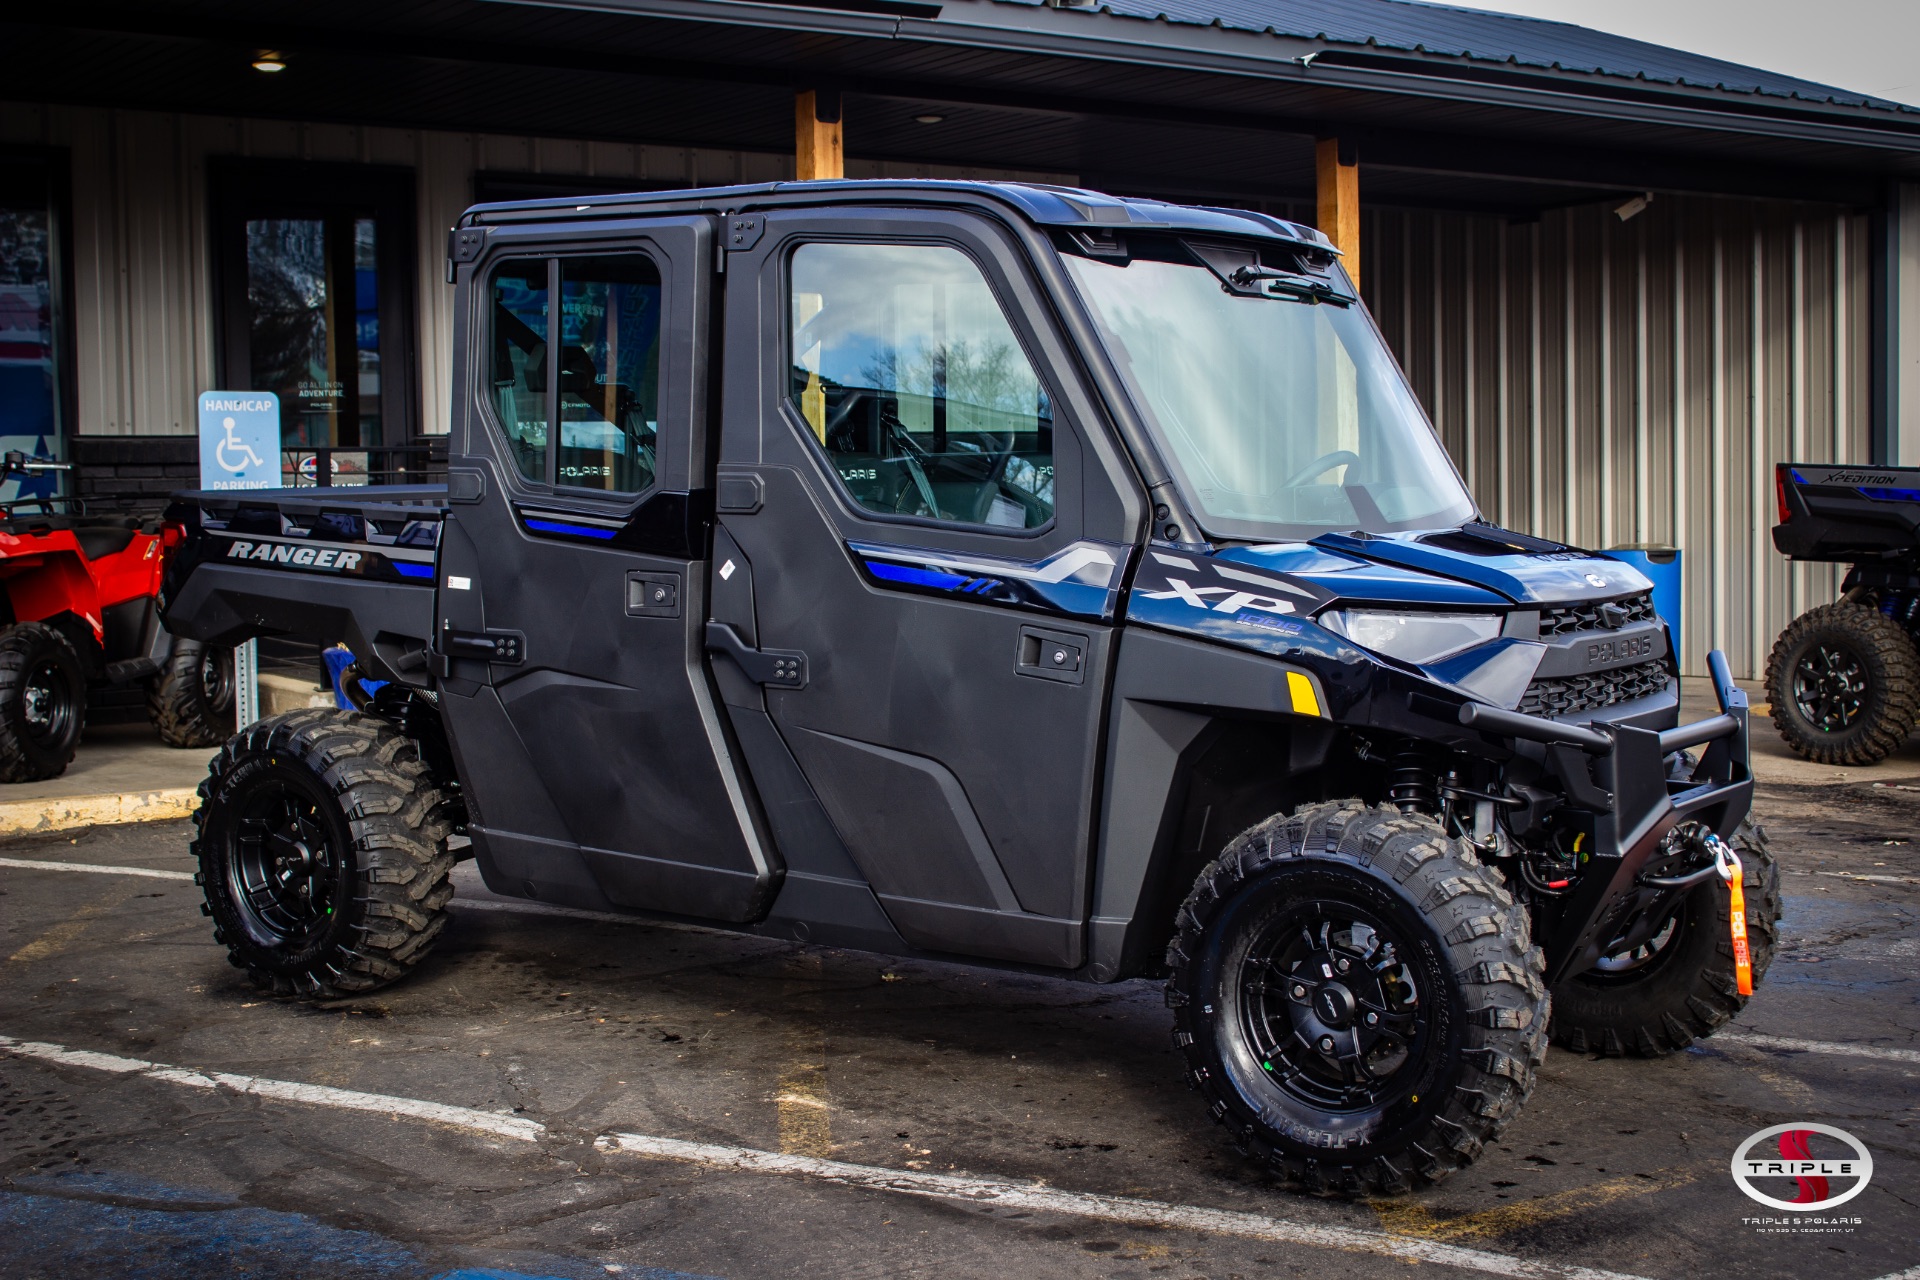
<point>1330,1007</point>
<point>216,677</point>
<point>287,869</point>
<point>48,704</point>
<point>1829,687</point>
<point>1637,962</point>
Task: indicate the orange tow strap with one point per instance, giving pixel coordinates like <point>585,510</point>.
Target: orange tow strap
<point>1730,869</point>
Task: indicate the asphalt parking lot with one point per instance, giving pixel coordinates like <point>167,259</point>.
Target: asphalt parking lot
<point>565,1096</point>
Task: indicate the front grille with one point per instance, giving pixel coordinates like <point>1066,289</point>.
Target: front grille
<point>1566,619</point>
<point>1564,695</point>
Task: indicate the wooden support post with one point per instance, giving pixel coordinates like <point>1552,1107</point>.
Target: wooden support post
<point>816,148</point>
<point>1337,169</point>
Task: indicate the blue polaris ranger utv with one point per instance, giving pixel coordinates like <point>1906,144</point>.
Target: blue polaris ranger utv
<point>1000,573</point>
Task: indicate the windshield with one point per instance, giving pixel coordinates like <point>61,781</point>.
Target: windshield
<point>1285,419</point>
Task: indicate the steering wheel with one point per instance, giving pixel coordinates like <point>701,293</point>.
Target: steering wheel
<point>1320,465</point>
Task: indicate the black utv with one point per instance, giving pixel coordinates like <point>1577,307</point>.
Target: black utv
<point>1844,678</point>
<point>1000,573</point>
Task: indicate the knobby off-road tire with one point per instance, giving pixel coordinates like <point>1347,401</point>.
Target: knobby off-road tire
<point>1374,933</point>
<point>191,701</point>
<point>323,853</point>
<point>43,702</point>
<point>1680,987</point>
<point>1844,681</point>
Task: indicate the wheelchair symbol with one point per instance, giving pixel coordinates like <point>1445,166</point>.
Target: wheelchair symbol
<point>233,449</point>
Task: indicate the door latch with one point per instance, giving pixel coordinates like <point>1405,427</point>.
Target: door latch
<point>486,646</point>
<point>775,668</point>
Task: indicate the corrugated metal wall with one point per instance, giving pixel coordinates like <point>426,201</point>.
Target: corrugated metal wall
<point>1612,382</point>
<point>143,295</point>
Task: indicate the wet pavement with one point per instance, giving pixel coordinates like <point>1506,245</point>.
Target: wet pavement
<point>557,1031</point>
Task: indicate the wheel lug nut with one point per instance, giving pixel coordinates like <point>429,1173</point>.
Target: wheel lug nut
<point>1342,965</point>
<point>1326,1044</point>
<point>1373,1019</point>
<point>1299,992</point>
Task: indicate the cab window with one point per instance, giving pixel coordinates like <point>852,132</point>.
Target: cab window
<point>601,382</point>
<point>911,379</point>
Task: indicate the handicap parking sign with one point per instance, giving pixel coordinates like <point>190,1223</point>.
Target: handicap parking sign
<point>239,440</point>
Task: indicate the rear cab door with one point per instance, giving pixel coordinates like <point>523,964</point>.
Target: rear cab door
<point>571,596</point>
<point>922,535</point>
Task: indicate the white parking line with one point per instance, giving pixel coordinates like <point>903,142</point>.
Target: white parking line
<point>1791,1045</point>
<point>30,865</point>
<point>504,1126</point>
<point>985,1192</point>
<point>1126,1210</point>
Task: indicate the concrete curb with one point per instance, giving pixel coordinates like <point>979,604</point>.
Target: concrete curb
<point>63,813</point>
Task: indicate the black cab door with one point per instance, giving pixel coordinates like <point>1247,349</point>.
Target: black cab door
<point>573,578</point>
<point>922,535</point>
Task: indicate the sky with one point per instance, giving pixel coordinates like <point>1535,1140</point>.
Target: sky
<point>1870,46</point>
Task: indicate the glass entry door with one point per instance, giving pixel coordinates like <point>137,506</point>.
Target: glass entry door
<point>313,326</point>
<point>316,288</point>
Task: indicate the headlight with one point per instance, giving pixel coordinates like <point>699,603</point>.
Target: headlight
<point>1412,637</point>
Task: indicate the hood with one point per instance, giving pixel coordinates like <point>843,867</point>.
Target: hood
<point>1478,566</point>
<point>1523,569</point>
<point>1265,597</point>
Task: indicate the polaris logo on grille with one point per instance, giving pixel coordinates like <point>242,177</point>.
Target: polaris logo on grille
<point>300,557</point>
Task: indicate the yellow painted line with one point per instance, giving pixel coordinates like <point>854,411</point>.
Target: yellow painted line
<point>63,813</point>
<point>801,1101</point>
<point>1412,1218</point>
<point>63,935</point>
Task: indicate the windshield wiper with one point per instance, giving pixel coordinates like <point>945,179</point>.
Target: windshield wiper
<point>1293,282</point>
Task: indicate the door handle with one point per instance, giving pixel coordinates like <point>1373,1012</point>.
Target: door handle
<point>1052,655</point>
<point>776,668</point>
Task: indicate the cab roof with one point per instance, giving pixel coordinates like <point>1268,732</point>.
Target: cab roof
<point>1045,206</point>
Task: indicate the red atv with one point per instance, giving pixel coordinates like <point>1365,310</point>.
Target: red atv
<point>78,594</point>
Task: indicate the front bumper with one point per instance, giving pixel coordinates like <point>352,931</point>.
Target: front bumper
<point>1618,773</point>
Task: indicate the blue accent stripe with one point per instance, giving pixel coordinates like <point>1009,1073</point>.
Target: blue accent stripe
<point>1884,493</point>
<point>577,530</point>
<point>408,570</point>
<point>915,577</point>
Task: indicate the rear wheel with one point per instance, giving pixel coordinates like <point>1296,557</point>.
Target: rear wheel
<point>1679,986</point>
<point>43,700</point>
<point>323,853</point>
<point>1358,999</point>
<point>191,700</point>
<point>1844,681</point>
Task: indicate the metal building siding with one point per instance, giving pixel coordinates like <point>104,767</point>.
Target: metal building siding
<point>143,290</point>
<point>1613,383</point>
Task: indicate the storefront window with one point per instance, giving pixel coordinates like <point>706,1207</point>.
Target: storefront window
<point>30,338</point>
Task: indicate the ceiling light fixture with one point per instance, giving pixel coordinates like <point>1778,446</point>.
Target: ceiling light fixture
<point>269,60</point>
<point>1633,208</point>
<point>929,119</point>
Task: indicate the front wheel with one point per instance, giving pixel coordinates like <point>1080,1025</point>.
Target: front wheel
<point>1358,999</point>
<point>1679,985</point>
<point>323,853</point>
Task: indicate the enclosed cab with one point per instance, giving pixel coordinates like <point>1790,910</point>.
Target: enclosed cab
<point>1002,573</point>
